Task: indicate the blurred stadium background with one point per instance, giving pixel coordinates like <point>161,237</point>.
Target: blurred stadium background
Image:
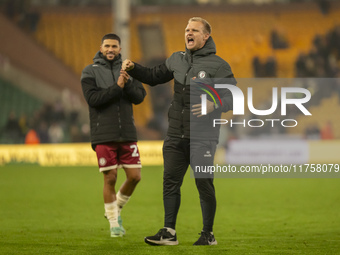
<point>56,208</point>
<point>45,45</point>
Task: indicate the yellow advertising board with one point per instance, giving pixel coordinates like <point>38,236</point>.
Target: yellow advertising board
<point>80,154</point>
<point>324,152</point>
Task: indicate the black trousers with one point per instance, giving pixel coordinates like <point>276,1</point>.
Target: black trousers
<point>178,154</point>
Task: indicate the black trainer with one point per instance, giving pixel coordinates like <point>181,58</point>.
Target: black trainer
<point>206,238</point>
<point>163,237</point>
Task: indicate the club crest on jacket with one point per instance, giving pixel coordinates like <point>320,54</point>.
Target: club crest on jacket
<point>202,74</point>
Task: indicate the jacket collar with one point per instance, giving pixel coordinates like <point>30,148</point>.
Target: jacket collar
<point>208,48</point>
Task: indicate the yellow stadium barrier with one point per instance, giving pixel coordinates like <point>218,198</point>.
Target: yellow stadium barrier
<point>324,152</point>
<point>71,154</point>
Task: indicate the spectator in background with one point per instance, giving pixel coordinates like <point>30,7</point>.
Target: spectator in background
<point>257,67</point>
<point>322,48</point>
<point>325,6</point>
<point>300,66</point>
<point>46,113</point>
<point>270,67</point>
<point>10,9</point>
<point>75,134</point>
<point>32,19</point>
<point>266,69</point>
<point>321,61</point>
<point>278,39</point>
<point>312,132</point>
<point>56,133</point>
<point>23,123</point>
<point>58,111</point>
<point>32,137</point>
<point>43,132</point>
<point>334,41</point>
<point>327,131</point>
<point>12,130</point>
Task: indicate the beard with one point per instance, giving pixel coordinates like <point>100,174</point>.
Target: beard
<point>110,60</point>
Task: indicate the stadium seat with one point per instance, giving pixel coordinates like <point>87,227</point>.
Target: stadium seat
<point>239,36</point>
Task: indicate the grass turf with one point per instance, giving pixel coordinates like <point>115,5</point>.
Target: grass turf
<point>59,210</point>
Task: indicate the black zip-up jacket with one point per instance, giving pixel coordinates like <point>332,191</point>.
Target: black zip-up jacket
<point>110,106</point>
<point>203,64</point>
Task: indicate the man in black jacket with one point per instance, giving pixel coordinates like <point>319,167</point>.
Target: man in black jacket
<point>110,93</point>
<point>185,145</point>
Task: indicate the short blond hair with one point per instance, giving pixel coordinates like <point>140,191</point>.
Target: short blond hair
<point>206,25</point>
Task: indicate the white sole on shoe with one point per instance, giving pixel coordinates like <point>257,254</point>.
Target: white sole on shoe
<point>162,242</point>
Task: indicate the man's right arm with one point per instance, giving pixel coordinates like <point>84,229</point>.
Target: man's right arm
<point>152,76</point>
<point>96,96</point>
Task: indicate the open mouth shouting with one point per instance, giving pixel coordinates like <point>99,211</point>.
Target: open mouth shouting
<point>190,42</point>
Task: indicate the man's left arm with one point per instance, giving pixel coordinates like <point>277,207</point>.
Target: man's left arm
<point>135,91</point>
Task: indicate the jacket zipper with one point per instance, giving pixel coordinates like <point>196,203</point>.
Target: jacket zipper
<point>186,74</point>
<point>185,82</point>
<point>118,107</point>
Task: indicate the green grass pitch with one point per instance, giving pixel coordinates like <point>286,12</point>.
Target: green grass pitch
<point>59,210</point>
